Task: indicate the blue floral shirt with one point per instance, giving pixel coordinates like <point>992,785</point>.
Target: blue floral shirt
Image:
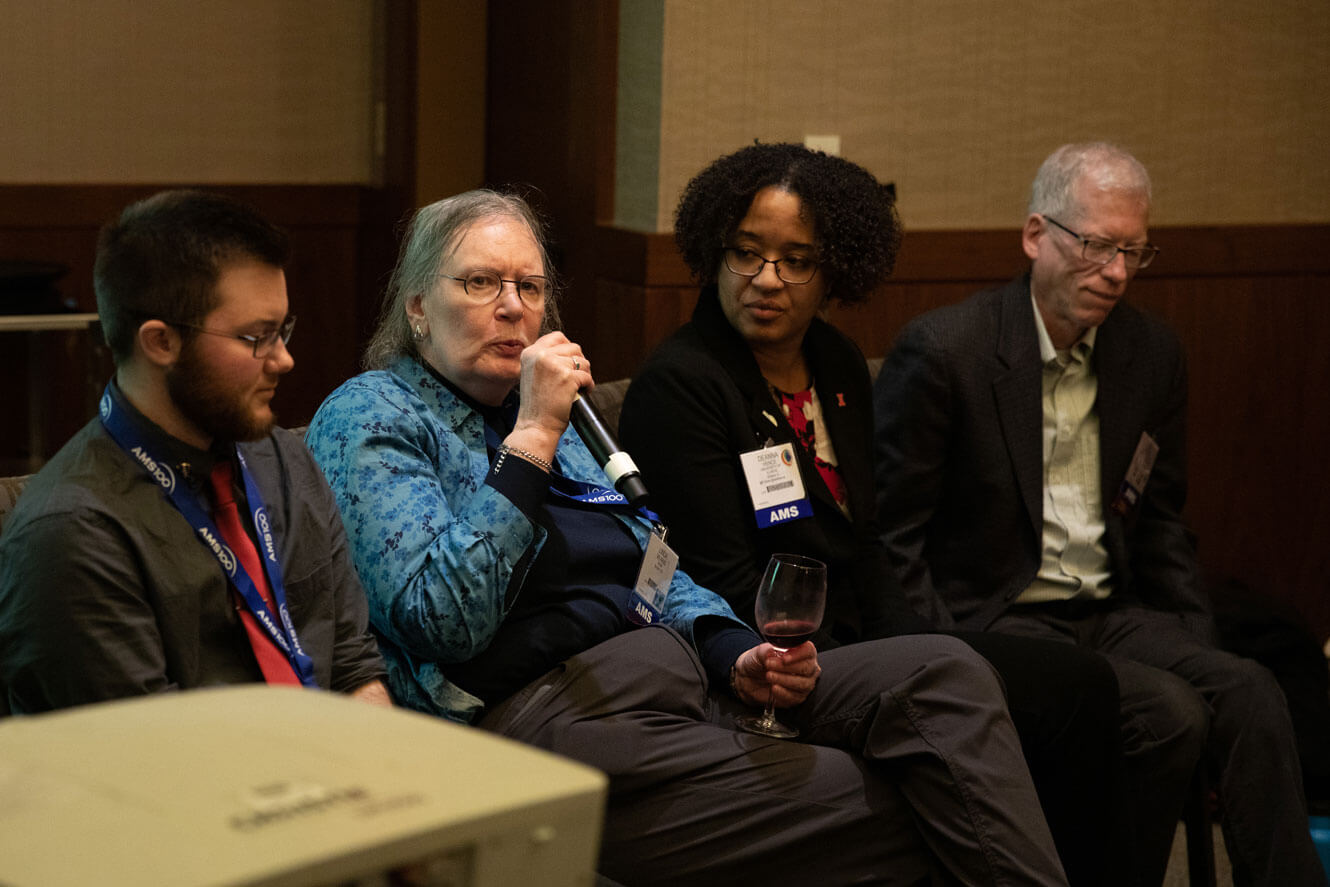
<point>439,549</point>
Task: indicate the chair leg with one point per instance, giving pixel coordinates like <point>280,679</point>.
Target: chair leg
<point>1200,834</point>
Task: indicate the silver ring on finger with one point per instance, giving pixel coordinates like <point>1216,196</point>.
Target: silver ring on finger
<point>577,364</point>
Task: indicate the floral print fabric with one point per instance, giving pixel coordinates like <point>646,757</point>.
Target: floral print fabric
<point>436,547</point>
<point>800,411</point>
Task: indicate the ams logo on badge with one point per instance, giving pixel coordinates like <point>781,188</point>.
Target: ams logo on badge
<point>769,517</point>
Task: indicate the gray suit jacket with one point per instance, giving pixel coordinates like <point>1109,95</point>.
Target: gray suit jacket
<point>959,459</point>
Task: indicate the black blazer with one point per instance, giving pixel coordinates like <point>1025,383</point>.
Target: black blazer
<point>960,458</point>
<point>698,403</point>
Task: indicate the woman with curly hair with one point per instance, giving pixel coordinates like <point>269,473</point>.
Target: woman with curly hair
<point>773,233</point>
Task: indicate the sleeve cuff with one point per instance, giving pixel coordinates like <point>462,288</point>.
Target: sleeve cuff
<point>521,483</point>
<point>720,643</point>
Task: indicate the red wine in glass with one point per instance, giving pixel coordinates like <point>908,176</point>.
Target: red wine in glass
<point>786,634</point>
<point>788,611</point>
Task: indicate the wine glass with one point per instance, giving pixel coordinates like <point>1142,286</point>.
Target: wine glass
<point>789,608</point>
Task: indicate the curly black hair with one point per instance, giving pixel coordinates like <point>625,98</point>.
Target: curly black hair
<point>853,215</point>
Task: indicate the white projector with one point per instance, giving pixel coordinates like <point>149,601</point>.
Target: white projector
<point>286,787</point>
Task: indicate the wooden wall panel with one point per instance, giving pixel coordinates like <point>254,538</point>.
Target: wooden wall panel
<point>550,128</point>
<point>1251,305</point>
<point>1259,422</point>
<point>325,281</point>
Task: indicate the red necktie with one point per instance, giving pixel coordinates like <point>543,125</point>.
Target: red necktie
<point>276,667</point>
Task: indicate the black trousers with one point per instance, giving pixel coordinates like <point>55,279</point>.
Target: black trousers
<point>1183,699</point>
<point>1064,703</point>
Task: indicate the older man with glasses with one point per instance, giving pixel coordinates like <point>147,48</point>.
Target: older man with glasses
<point>1031,476</point>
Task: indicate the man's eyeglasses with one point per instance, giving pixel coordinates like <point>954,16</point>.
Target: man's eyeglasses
<point>791,269</point>
<point>1102,252</point>
<point>264,343</point>
<point>485,286</point>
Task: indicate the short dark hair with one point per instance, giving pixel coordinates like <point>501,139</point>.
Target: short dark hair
<point>163,256</point>
<point>853,215</point>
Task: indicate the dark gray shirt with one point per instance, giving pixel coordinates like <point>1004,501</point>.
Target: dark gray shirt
<point>106,592</point>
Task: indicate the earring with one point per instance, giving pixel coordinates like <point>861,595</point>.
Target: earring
<point>419,334</point>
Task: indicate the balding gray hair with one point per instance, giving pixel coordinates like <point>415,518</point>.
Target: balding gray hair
<point>1103,164</point>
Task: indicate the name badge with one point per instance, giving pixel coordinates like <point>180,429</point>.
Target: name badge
<point>653,579</point>
<point>1138,474</point>
<point>775,485</point>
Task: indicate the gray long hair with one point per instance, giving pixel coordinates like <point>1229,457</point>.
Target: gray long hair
<point>431,237</point>
<point>1105,164</point>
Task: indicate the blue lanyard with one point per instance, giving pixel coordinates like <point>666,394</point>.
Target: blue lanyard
<point>125,433</point>
<point>593,494</point>
<point>566,487</point>
<point>639,611</point>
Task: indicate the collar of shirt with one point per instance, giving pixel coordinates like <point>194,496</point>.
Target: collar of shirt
<point>465,416</point>
<point>1049,356</point>
<point>190,463</point>
<point>501,419</point>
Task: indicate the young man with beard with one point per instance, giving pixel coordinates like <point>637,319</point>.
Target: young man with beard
<point>180,540</point>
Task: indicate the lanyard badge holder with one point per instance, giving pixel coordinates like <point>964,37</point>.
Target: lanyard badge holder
<point>279,627</point>
<point>653,578</point>
<point>1138,475</point>
<point>775,485</point>
<point>658,561</point>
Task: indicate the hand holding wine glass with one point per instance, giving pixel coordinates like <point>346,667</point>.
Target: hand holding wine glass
<point>789,608</point>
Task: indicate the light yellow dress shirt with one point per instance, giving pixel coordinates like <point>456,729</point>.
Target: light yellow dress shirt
<point>1074,562</point>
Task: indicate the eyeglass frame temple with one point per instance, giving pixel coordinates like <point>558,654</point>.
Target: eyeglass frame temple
<point>254,341</point>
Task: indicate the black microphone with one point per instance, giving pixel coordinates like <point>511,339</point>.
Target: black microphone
<point>618,465</point>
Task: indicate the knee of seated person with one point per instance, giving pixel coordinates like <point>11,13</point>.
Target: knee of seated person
<point>954,656</point>
<point>1180,714</point>
<point>1251,689</point>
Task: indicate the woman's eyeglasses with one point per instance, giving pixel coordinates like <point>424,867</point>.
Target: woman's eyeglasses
<point>791,269</point>
<point>485,286</point>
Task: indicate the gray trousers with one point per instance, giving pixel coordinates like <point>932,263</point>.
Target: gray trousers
<point>1182,698</point>
<point>907,770</point>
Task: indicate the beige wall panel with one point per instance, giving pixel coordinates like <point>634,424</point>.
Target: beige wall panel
<point>638,121</point>
<point>958,101</point>
<point>116,91</point>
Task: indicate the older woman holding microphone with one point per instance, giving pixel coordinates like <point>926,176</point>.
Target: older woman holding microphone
<point>508,586</point>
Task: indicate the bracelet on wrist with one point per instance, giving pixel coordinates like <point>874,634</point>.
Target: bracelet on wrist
<point>505,449</point>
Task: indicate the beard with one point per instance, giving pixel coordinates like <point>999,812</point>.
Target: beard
<point>219,411</point>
